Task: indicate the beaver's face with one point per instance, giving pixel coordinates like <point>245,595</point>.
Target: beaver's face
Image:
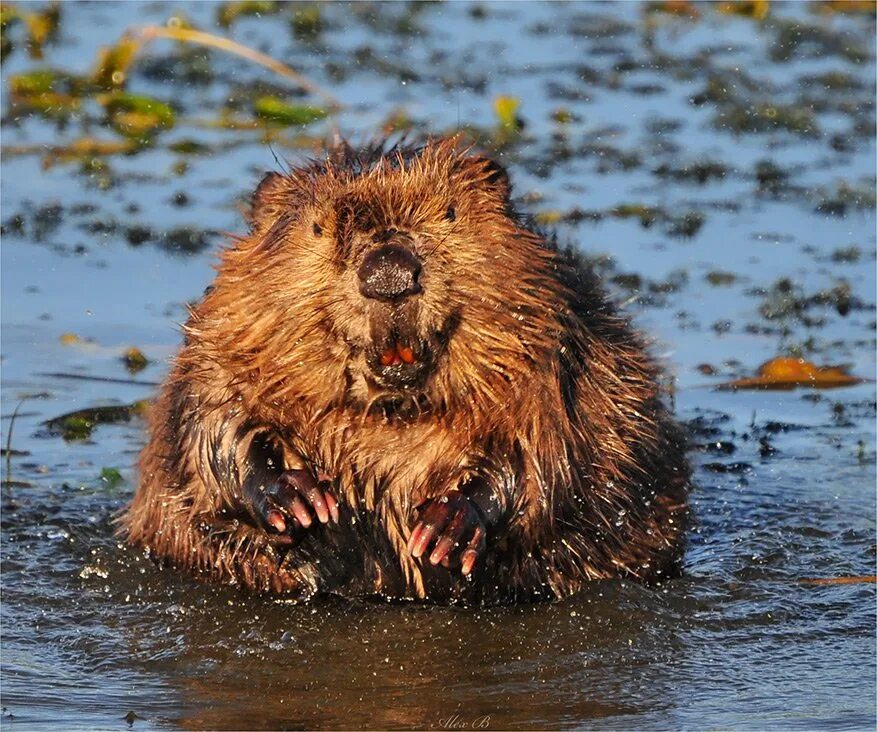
<point>393,283</point>
<point>399,281</point>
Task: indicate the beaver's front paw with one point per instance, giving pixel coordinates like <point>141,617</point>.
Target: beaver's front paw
<point>288,504</point>
<point>456,528</point>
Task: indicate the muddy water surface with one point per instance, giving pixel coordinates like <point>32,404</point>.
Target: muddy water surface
<point>721,171</point>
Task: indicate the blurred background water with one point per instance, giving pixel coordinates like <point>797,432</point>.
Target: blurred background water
<point>717,162</point>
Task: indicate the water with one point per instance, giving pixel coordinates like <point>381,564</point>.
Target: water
<point>93,631</point>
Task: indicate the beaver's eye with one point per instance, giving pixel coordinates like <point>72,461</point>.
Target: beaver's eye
<point>318,230</point>
<point>451,214</point>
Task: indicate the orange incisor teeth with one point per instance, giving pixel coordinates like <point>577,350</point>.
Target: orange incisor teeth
<point>397,354</point>
<point>405,353</point>
<point>388,356</point>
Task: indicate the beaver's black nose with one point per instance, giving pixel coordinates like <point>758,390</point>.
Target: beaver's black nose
<point>389,272</point>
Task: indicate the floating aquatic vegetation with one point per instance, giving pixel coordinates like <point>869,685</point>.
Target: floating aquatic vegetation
<point>687,225</point>
<point>846,196</point>
<point>699,172</point>
<point>746,116</point>
<point>307,21</point>
<point>833,81</point>
<point>38,81</point>
<point>8,18</point>
<point>187,66</point>
<point>78,425</point>
<point>718,278</point>
<point>138,116</point>
<point>226,120</point>
<point>287,114</point>
<point>57,95</point>
<point>846,255</point>
<point>585,24</point>
<point>746,104</point>
<point>398,19</point>
<point>40,27</point>
<point>37,223</point>
<point>771,177</point>
<point>852,7</point>
<point>188,146</point>
<point>679,8</point>
<point>564,116</point>
<point>647,215</point>
<point>755,9</point>
<point>611,158</point>
<point>89,152</point>
<point>138,234</point>
<point>111,477</point>
<point>228,13</point>
<point>134,360</point>
<point>784,373</point>
<point>681,225</point>
<point>840,297</point>
<point>185,240</point>
<point>716,91</point>
<point>509,124</point>
<point>795,39</point>
<point>549,218</point>
<point>787,301</point>
<point>113,62</point>
<point>188,35</point>
<point>365,58</point>
<point>46,91</point>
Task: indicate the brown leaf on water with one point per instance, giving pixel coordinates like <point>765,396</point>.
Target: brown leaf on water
<point>789,373</point>
<point>69,339</point>
<point>863,579</point>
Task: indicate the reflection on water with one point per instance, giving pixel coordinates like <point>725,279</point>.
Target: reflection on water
<point>732,238</point>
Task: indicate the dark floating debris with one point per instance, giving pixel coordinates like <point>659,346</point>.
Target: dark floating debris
<point>735,468</point>
<point>132,717</point>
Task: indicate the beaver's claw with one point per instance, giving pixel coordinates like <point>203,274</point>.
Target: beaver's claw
<point>454,527</point>
<point>291,502</point>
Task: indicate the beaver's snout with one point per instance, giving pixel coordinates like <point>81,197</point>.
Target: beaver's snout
<point>390,272</point>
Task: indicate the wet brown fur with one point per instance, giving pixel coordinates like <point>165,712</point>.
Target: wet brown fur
<point>539,386</point>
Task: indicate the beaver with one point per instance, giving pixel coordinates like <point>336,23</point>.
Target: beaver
<point>397,386</point>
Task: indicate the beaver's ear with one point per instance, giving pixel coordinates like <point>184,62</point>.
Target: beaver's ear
<point>486,172</point>
<point>275,195</point>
